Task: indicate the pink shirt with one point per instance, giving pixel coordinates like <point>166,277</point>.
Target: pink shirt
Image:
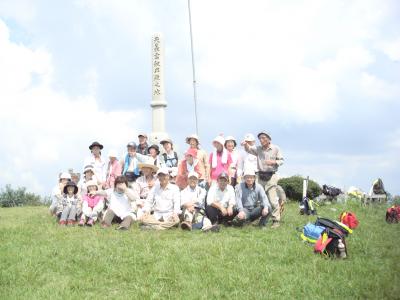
<point>92,201</point>
<point>113,171</point>
<point>220,166</point>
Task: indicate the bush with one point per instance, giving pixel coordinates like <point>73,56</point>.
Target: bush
<point>293,187</point>
<point>10,197</point>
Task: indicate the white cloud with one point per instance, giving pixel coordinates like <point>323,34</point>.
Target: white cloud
<point>43,129</point>
<point>392,49</point>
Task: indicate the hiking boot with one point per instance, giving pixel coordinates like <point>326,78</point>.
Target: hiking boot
<point>81,222</point>
<point>71,222</point>
<point>62,223</point>
<point>275,224</point>
<point>121,228</point>
<point>186,226</point>
<point>90,223</point>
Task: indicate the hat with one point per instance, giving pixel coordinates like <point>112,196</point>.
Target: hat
<point>94,144</point>
<point>166,141</point>
<point>131,144</point>
<point>219,139</point>
<point>223,175</point>
<point>249,172</point>
<point>92,183</point>
<point>230,138</point>
<point>88,168</point>
<point>192,136</point>
<point>249,138</point>
<point>193,174</point>
<point>112,153</point>
<point>163,170</point>
<point>65,175</point>
<point>155,147</point>
<point>148,164</point>
<point>70,183</point>
<point>142,134</point>
<point>265,133</point>
<point>191,152</point>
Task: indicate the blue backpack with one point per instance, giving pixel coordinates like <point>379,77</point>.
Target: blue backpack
<point>311,232</point>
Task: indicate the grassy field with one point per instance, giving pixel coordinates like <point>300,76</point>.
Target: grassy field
<point>40,260</point>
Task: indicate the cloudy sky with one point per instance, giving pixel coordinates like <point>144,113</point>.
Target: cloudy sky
<point>321,76</point>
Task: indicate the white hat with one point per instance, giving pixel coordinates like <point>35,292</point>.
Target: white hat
<point>88,168</point>
<point>219,139</point>
<point>249,172</point>
<point>163,170</point>
<point>249,138</point>
<point>92,183</point>
<point>149,163</point>
<point>113,153</point>
<point>65,175</point>
<point>230,138</point>
<point>193,174</point>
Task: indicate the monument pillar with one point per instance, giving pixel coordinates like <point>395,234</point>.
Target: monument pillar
<point>158,102</point>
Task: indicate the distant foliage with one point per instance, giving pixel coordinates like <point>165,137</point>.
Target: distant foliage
<point>396,199</point>
<point>293,187</point>
<point>10,197</point>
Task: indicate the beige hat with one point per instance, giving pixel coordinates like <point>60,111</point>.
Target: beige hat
<point>219,139</point>
<point>230,138</point>
<point>166,141</point>
<point>142,134</point>
<point>193,174</point>
<point>193,136</point>
<point>148,164</point>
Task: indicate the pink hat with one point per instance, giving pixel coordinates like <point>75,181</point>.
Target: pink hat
<point>191,152</point>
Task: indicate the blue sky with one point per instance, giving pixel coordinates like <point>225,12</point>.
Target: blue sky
<point>320,76</point>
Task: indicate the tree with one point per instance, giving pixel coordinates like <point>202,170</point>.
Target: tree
<point>10,197</point>
<point>293,187</point>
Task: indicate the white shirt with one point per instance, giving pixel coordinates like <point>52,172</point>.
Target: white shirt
<point>196,195</point>
<point>246,161</point>
<point>100,167</point>
<point>225,198</point>
<point>119,203</point>
<point>164,202</point>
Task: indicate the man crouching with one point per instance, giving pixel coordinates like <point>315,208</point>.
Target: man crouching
<point>251,201</point>
<point>164,201</point>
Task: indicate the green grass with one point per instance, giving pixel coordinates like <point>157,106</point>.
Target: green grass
<point>40,260</point>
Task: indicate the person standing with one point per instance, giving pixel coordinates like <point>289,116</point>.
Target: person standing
<point>202,158</point>
<point>99,164</point>
<point>269,158</point>
<point>143,147</point>
<point>220,160</point>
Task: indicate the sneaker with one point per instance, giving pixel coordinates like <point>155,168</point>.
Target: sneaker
<point>81,222</point>
<point>62,223</point>
<point>186,226</point>
<point>121,228</point>
<point>275,224</point>
<point>213,228</point>
<point>90,223</point>
<point>71,222</point>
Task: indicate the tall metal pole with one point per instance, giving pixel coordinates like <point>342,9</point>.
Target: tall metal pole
<point>194,70</point>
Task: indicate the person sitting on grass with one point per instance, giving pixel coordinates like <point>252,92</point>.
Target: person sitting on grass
<point>58,190</point>
<point>164,201</point>
<point>220,201</point>
<point>88,175</point>
<point>130,163</point>
<point>193,206</point>
<point>154,152</point>
<point>70,205</point>
<point>92,205</point>
<point>251,201</point>
<point>121,204</point>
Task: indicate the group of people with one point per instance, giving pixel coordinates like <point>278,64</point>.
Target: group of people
<point>161,191</point>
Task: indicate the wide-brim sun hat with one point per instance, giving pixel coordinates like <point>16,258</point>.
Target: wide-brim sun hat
<point>113,153</point>
<point>147,165</point>
<point>70,183</point>
<point>230,138</point>
<point>92,183</point>
<point>88,168</point>
<point>94,144</point>
<point>155,147</point>
<point>192,136</point>
<point>264,133</point>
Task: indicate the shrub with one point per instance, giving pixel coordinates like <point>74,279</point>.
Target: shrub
<point>293,187</point>
<point>10,197</point>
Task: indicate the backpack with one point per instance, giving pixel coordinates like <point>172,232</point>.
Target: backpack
<point>307,207</point>
<point>378,188</point>
<point>393,214</point>
<point>331,191</point>
<point>170,162</point>
<point>349,219</point>
<point>332,244</point>
<point>311,232</point>
<point>334,225</point>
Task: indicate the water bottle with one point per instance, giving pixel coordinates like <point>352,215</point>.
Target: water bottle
<point>342,249</point>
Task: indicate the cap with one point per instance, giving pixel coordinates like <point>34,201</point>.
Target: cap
<point>265,133</point>
<point>249,138</point>
<point>163,171</point>
<point>166,141</point>
<point>132,144</point>
<point>142,134</point>
<point>249,172</point>
<point>65,175</point>
<point>223,175</point>
<point>193,174</point>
